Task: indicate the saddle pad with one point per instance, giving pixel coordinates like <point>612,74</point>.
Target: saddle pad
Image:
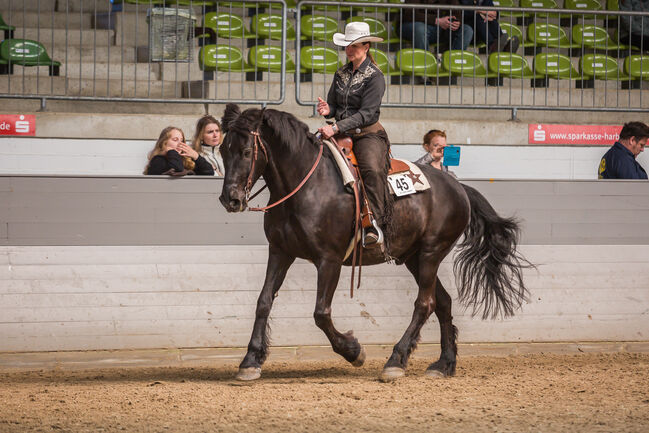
<point>419,180</point>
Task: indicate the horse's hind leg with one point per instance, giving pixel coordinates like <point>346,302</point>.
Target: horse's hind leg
<point>278,264</point>
<point>426,276</point>
<point>343,344</point>
<point>445,365</point>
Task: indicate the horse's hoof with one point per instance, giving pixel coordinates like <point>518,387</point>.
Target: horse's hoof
<point>249,373</point>
<point>360,359</point>
<point>434,373</point>
<point>391,374</point>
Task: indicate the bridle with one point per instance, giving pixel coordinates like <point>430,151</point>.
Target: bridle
<point>258,143</point>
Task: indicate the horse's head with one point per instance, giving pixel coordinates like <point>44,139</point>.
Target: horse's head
<point>244,155</point>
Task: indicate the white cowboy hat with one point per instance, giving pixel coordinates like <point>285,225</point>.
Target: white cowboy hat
<point>355,33</point>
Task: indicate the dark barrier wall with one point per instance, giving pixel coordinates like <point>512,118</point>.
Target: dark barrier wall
<point>140,210</point>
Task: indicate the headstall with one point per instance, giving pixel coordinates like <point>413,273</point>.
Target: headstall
<point>249,183</point>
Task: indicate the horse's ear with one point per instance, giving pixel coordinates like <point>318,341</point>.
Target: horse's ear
<point>232,112</point>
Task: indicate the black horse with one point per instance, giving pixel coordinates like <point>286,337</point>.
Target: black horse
<point>317,224</point>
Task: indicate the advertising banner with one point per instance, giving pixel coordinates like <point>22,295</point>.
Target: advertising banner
<point>17,124</point>
<point>591,135</point>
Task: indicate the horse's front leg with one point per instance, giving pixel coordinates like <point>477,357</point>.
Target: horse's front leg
<point>278,264</point>
<point>345,344</point>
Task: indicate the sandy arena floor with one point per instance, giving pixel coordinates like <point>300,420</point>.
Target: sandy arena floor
<point>547,393</point>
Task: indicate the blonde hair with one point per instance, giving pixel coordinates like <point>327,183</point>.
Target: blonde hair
<point>200,130</point>
<point>159,148</point>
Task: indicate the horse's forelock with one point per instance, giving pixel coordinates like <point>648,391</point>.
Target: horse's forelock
<point>230,116</point>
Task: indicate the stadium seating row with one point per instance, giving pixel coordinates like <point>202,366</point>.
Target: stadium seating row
<point>421,63</point>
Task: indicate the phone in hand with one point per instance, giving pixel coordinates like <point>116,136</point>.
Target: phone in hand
<point>451,156</point>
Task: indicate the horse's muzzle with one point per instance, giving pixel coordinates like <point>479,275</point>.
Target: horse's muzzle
<point>234,201</point>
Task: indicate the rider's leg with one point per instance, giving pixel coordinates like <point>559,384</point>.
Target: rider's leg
<point>371,151</point>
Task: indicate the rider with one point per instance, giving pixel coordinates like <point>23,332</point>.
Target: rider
<point>354,100</point>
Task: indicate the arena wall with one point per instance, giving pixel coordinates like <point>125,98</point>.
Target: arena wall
<point>133,262</point>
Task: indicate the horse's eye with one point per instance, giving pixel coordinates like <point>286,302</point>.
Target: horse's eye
<point>247,153</point>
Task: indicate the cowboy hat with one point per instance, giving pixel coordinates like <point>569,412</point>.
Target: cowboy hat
<point>355,33</point>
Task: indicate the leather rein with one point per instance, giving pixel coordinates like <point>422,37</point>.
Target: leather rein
<point>258,143</point>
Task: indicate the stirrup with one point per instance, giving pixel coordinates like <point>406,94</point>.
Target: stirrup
<point>372,239</point>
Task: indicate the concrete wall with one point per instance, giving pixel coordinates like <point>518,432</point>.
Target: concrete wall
<point>103,263</point>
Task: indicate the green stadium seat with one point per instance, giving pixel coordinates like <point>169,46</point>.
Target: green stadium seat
<point>225,58</point>
<point>269,26</point>
<point>600,67</point>
<point>510,4</point>
<point>322,60</point>
<point>553,66</point>
<point>585,5</point>
<point>383,62</point>
<point>510,66</point>
<point>244,5</point>
<point>371,9</point>
<point>378,28</point>
<point>465,64</point>
<point>267,58</point>
<point>514,30</point>
<point>26,52</point>
<point>549,36</point>
<point>419,63</point>
<point>318,27</point>
<point>226,25</point>
<point>541,4</point>
<point>7,29</point>
<point>594,37</point>
<point>636,67</point>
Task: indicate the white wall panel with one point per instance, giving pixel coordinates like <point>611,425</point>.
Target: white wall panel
<point>107,297</point>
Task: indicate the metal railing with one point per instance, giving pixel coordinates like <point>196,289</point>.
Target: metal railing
<point>104,53</point>
<point>471,87</point>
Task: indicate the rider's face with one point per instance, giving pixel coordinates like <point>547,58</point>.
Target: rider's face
<point>357,53</point>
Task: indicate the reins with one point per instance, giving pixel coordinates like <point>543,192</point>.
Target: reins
<point>259,143</point>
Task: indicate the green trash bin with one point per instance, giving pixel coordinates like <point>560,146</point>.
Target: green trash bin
<point>171,34</point>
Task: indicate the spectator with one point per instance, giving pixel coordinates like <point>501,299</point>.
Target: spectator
<point>434,144</point>
<point>635,30</point>
<point>429,26</point>
<point>619,161</point>
<point>487,29</point>
<point>172,156</point>
<point>207,142</point>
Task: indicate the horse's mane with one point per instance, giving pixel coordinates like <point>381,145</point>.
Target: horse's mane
<point>289,131</point>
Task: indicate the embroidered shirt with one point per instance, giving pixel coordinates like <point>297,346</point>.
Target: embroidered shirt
<point>619,163</point>
<point>355,96</point>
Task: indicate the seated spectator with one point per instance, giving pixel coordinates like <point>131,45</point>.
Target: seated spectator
<point>172,156</point>
<point>434,144</point>
<point>487,29</point>
<point>207,142</point>
<point>619,161</point>
<point>635,30</point>
<point>428,26</point>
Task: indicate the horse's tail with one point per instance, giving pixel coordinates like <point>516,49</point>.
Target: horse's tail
<point>488,269</point>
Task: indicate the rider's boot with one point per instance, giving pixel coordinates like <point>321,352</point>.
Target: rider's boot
<point>373,236</point>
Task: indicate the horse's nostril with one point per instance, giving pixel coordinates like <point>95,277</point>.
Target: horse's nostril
<point>234,204</point>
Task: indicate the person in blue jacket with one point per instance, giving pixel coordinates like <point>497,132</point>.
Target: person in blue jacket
<point>619,161</point>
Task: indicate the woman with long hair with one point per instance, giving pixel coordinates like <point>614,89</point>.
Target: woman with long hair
<point>207,142</point>
<point>171,155</point>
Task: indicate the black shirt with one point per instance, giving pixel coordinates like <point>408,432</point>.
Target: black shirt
<point>160,164</point>
<point>619,163</point>
<point>355,96</point>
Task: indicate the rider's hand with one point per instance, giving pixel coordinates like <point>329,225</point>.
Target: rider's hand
<point>323,107</point>
<point>186,150</point>
<point>326,131</point>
